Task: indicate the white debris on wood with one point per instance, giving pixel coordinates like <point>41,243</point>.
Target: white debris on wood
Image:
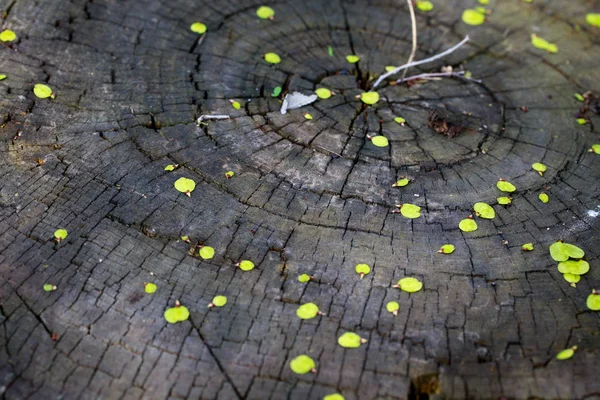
<point>296,100</point>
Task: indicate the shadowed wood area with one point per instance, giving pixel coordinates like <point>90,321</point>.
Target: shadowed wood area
<point>308,197</point>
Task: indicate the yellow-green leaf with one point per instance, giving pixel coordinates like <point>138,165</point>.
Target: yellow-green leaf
<point>566,354</point>
<point>272,58</point>
<point>308,116</point>
<point>60,234</point>
<point>540,43</point>
<point>334,396</point>
<point>369,98</point>
<point>48,287</point>
<point>579,97</point>
<point>573,267</point>
<point>473,17</point>
<point>401,182</point>
<point>304,278</point>
<point>593,19</point>
<point>229,174</point>
<point>350,340</point>
<point>392,307</point>
<point>177,314</point>
<point>198,27</point>
<point>582,121</point>
<point>410,210</point>
<point>2,77</point>
<point>185,185</point>
<point>207,252</point>
<point>352,59</point>
<point>504,200</point>
<point>560,251</point>
<point>150,287</point>
<point>42,91</point>
<point>595,148</point>
<point>323,93</point>
<point>390,68</point>
<point>593,301</point>
<point>362,270</point>
<point>543,197</point>
<point>400,120</point>
<point>446,249</point>
<point>484,210</point>
<point>302,364</point>
<point>506,186</point>
<point>409,284</point>
<point>276,91</point>
<point>380,141</point>
<point>307,311</point>
<point>539,167</point>
<point>7,35</point>
<point>424,5</point>
<point>467,225</point>
<point>571,278</point>
<point>246,265</point>
<point>265,12</point>
<point>484,2</point>
<point>527,247</point>
<point>236,105</point>
<point>170,167</point>
<point>218,301</point>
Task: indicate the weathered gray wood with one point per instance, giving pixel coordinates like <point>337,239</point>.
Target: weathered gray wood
<point>308,197</point>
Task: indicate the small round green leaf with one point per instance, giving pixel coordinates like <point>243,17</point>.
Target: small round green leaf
<point>334,396</point>
<point>150,287</point>
<point>401,182</point>
<point>566,354</point>
<point>264,12</point>
<point>177,314</point>
<point>304,278</point>
<point>582,121</point>
<point>302,364</point>
<point>571,278</point>
<point>352,59</point>
<point>504,200</point>
<point>307,311</point>
<point>276,91</point>
<point>369,98</point>
<point>246,265</point>
<point>593,301</point>
<point>272,58</point>
<point>539,167</point>
<point>219,301</point>
<point>48,287</point>
<point>573,267</point>
<point>410,211</point>
<point>506,186</point>
<point>392,307</point>
<point>527,247</point>
<point>593,19</point>
<point>308,116</point>
<point>229,174</point>
<point>42,91</point>
<point>543,197</point>
<point>198,27</point>
<point>400,120</point>
<point>362,270</point>
<point>473,17</point>
<point>540,43</point>
<point>2,77</point>
<point>7,35</point>
<point>380,141</point>
<point>390,68</point>
<point>170,167</point>
<point>323,93</point>
<point>236,105</point>
<point>579,97</point>
<point>350,340</point>
<point>467,225</point>
<point>60,234</point>
<point>446,249</point>
<point>207,252</point>
<point>595,148</point>
<point>185,185</point>
<point>484,210</point>
<point>410,284</point>
<point>424,5</point>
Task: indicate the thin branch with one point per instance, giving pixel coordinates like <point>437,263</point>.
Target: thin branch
<point>204,117</point>
<point>459,74</point>
<point>413,21</point>
<point>414,63</point>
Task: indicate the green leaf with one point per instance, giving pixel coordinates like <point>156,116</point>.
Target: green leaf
<point>409,284</point>
<point>48,287</point>
<point>424,5</point>
<point>276,91</point>
<point>352,59</point>
<point>467,225</point>
<point>330,51</point>
<point>42,91</point>
<point>572,279</point>
<point>539,167</point>
<point>593,301</point>
<point>307,311</point>
<point>543,197</point>
<point>265,12</point>
<point>218,301</point>
<point>595,148</point>
<point>484,2</point>
<point>504,200</point>
<point>400,120</point>
<point>207,252</point>
<point>527,247</point>
<point>304,278</point>
<point>185,185</point>
<point>246,265</point>
<point>473,17</point>
<point>560,251</point>
<point>390,68</point>
<point>410,211</point>
<point>572,267</point>
<point>369,98</point>
<point>484,210</point>
<point>392,307</point>
<point>2,77</point>
<point>229,174</point>
<point>380,141</point>
<point>185,238</point>
<point>362,270</point>
<point>7,35</point>
<point>540,43</point>
<point>446,249</point>
<point>150,287</point>
<point>401,182</point>
<point>236,105</point>
<point>308,116</point>
<point>323,93</point>
<point>60,234</point>
<point>579,97</point>
<point>566,354</point>
<point>582,121</point>
<point>593,19</point>
<point>198,27</point>
<point>272,58</point>
<point>170,167</point>
<point>177,314</point>
<point>350,340</point>
<point>302,364</point>
<point>334,396</point>
<point>505,186</point>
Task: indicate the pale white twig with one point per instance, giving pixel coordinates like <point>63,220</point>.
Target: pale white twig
<point>203,117</point>
<point>413,21</point>
<point>459,74</point>
<point>414,63</point>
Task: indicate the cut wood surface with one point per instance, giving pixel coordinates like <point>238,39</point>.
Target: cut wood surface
<point>308,196</point>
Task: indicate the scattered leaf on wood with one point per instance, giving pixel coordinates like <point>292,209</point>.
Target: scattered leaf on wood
<point>308,311</point>
<point>272,58</point>
<point>540,43</point>
<point>484,210</point>
<point>265,12</point>
<point>206,252</point>
<point>176,314</point>
<point>446,249</point>
<point>198,27</point>
<point>527,247</point>
<point>351,340</point>
<point>185,185</point>
<point>473,17</point>
<point>7,35</point>
<point>218,301</point>
<point>150,287</point>
<point>352,59</point>
<point>302,364</point>
<point>409,284</point>
<point>392,307</point>
<point>245,265</point>
<point>362,270</point>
